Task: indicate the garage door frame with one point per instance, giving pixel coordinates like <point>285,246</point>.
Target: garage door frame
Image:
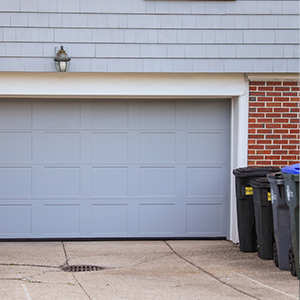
<point>24,85</point>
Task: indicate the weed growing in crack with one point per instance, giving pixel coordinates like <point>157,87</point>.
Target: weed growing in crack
<point>72,284</point>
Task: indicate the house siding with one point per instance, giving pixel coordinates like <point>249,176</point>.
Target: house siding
<point>151,36</point>
<point>274,123</point>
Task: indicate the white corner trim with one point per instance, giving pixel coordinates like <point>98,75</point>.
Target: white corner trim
<point>239,151</point>
<point>120,85</point>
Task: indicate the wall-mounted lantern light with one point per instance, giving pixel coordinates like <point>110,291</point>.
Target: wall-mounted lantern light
<point>62,60</point>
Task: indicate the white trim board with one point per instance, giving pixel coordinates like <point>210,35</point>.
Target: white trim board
<point>91,85</point>
<point>115,85</point>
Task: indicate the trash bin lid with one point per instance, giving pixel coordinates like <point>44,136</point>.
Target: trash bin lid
<point>254,171</point>
<point>261,182</point>
<point>293,169</point>
<point>276,178</point>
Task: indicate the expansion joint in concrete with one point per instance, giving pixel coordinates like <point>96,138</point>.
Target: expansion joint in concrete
<point>208,273</point>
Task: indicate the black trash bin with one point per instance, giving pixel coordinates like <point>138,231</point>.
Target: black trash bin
<point>281,221</point>
<point>245,206</point>
<point>263,217</point>
<point>291,183</point>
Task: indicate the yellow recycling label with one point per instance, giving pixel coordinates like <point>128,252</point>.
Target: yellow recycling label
<point>269,196</point>
<point>248,191</point>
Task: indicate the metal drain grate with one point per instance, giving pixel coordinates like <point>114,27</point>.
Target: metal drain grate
<point>82,268</point>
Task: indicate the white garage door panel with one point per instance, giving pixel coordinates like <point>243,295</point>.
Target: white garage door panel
<point>110,219</point>
<point>206,181</point>
<point>16,181</point>
<point>11,223</point>
<point>15,114</point>
<point>111,147</point>
<point>164,216</point>
<point>58,114</point>
<point>61,219</point>
<point>162,145</point>
<point>61,147</point>
<point>61,181</point>
<point>114,168</point>
<point>196,213</point>
<point>110,181</point>
<point>15,147</point>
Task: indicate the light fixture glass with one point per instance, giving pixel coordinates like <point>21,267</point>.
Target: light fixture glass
<point>62,60</point>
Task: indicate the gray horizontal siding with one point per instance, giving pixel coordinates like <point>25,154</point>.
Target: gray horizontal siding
<point>155,6</point>
<point>157,66</point>
<point>151,36</point>
<point>149,21</point>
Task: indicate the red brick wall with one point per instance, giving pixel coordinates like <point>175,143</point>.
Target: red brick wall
<point>273,123</point>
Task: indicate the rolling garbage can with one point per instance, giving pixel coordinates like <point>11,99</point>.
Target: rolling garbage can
<point>263,217</point>
<point>291,183</point>
<point>281,221</point>
<point>245,206</point>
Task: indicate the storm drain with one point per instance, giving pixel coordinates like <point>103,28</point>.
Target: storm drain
<point>82,268</point>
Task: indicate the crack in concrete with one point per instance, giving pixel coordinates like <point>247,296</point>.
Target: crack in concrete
<point>82,287</point>
<point>25,290</point>
<point>267,286</point>
<point>29,265</point>
<point>210,274</point>
<point>66,264</point>
<point>147,260</point>
<point>22,279</point>
<point>28,280</point>
<point>67,259</point>
<point>39,266</point>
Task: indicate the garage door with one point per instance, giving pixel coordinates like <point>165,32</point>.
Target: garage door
<point>114,168</point>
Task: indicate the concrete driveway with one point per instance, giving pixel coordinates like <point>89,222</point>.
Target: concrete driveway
<point>160,270</point>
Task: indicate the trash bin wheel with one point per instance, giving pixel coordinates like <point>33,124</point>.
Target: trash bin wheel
<point>292,262</point>
<point>275,255</point>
